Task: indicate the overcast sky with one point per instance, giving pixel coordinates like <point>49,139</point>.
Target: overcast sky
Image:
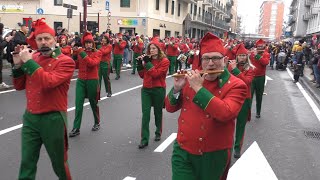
<point>249,10</point>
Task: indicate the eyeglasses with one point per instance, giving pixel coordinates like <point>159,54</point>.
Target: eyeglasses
<point>213,59</point>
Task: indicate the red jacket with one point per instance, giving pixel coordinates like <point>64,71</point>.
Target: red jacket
<point>184,47</point>
<point>172,50</point>
<point>194,60</point>
<point>245,75</point>
<point>207,118</point>
<point>66,50</point>
<point>260,63</point>
<point>106,53</point>
<point>154,73</point>
<point>119,47</point>
<point>88,63</point>
<point>138,47</point>
<point>190,45</point>
<point>46,81</point>
<point>163,46</point>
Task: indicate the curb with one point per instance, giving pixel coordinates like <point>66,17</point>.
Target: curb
<point>306,84</point>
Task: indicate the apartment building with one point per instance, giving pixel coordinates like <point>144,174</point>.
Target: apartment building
<point>298,18</point>
<point>151,17</point>
<point>271,19</point>
<point>312,17</point>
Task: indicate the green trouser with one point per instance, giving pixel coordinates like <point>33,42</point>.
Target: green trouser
<point>172,60</point>
<point>117,61</point>
<point>104,72</point>
<point>151,97</point>
<point>209,166</point>
<point>134,62</point>
<point>48,129</point>
<point>241,124</point>
<point>258,87</point>
<point>86,89</point>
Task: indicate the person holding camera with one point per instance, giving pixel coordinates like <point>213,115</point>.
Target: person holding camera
<point>152,68</point>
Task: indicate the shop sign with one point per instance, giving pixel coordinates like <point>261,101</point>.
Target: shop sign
<point>11,8</point>
<point>128,22</point>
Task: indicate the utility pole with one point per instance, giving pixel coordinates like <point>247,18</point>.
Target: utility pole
<point>85,5</point>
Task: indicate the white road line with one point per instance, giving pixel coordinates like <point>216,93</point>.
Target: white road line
<point>129,178</point>
<point>2,92</point>
<point>166,143</point>
<point>73,108</point>
<point>308,98</point>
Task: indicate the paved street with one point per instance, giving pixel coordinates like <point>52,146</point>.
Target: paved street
<point>112,153</point>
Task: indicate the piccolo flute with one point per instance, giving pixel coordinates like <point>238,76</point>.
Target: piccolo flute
<point>44,49</point>
<point>201,73</point>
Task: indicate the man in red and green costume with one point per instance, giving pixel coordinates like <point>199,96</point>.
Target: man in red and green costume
<point>172,53</point>
<point>105,65</point>
<point>137,47</point>
<point>242,69</point>
<point>45,76</point>
<point>118,50</point>
<point>260,59</point>
<point>87,83</point>
<point>209,105</point>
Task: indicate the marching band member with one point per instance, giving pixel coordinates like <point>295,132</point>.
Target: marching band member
<point>87,83</point>
<point>152,68</point>
<point>172,53</point>
<point>45,76</point>
<point>243,69</point>
<point>65,48</point>
<point>194,56</point>
<point>209,105</point>
<point>260,59</point>
<point>137,47</point>
<point>105,64</point>
<point>119,46</point>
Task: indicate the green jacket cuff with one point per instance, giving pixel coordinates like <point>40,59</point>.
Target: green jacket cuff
<point>17,73</point>
<point>99,46</point>
<point>202,98</point>
<point>172,99</point>
<point>257,57</point>
<point>30,67</point>
<point>236,71</point>
<point>149,65</point>
<point>83,54</point>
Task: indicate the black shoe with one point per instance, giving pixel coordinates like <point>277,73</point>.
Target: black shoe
<point>141,146</point>
<point>236,154</point>
<point>74,132</point>
<point>157,138</point>
<point>258,116</point>
<point>109,94</point>
<point>96,127</point>
<point>118,77</point>
<point>133,73</point>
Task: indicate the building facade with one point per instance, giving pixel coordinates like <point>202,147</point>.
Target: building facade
<point>312,17</point>
<point>190,18</point>
<point>271,19</point>
<point>297,21</point>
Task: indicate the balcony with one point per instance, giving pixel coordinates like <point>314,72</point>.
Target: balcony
<point>308,2</point>
<point>291,21</point>
<point>292,9</point>
<point>230,3</point>
<point>207,2</point>
<point>188,1</point>
<point>315,10</point>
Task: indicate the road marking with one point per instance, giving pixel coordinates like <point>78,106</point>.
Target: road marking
<point>129,178</point>
<point>166,143</point>
<point>73,108</point>
<point>308,98</point>
<point>2,92</point>
<point>252,165</point>
<point>267,79</point>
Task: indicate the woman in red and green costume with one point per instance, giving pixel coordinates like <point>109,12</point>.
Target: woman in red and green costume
<point>119,45</point>
<point>65,48</point>
<point>88,83</point>
<point>137,47</point>
<point>172,53</point>
<point>152,68</point>
<point>105,64</point>
<point>243,69</point>
<point>260,59</point>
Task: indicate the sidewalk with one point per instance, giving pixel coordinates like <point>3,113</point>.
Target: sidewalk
<point>310,86</point>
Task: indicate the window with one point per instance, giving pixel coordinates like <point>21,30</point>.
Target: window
<point>195,9</point>
<point>179,6</point>
<point>172,8</point>
<point>125,3</point>
<point>191,6</point>
<point>167,6</point>
<point>157,4</point>
<point>58,2</point>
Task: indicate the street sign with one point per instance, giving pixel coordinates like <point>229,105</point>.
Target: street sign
<point>70,6</point>
<point>40,11</point>
<point>69,13</point>
<point>107,5</point>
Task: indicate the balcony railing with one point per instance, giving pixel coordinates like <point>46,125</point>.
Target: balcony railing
<point>315,10</point>
<point>308,2</point>
<point>207,2</point>
<point>208,21</point>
